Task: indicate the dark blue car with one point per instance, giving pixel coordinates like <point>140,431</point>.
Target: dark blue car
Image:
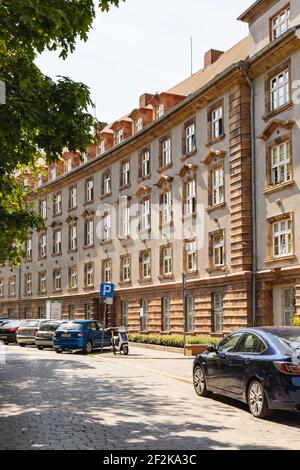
<point>258,366</point>
<point>83,335</point>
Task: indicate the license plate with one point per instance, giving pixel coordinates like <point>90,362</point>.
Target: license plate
<point>3,337</point>
<point>66,335</point>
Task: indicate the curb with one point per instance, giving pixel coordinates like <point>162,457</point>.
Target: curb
<point>157,347</point>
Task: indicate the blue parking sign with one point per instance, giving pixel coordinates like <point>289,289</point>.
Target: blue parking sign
<point>107,290</point>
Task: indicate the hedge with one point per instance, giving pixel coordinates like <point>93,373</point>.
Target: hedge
<point>172,341</point>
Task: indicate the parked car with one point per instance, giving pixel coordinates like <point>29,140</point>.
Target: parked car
<point>8,331</point>
<point>27,333</point>
<point>44,336</point>
<point>258,366</point>
<point>83,335</point>
<point>6,320</point>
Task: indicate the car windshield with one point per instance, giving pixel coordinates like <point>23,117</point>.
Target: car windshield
<point>290,339</point>
<point>49,326</point>
<point>70,326</point>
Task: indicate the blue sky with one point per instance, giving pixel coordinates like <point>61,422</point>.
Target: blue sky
<point>144,46</point>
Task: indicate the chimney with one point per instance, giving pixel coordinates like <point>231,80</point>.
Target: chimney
<point>145,99</point>
<point>211,56</point>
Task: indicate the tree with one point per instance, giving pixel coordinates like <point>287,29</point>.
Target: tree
<point>41,116</point>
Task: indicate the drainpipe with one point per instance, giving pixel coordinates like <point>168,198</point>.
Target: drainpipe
<point>244,66</point>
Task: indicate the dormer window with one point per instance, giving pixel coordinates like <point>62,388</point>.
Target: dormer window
<point>159,110</point>
<point>119,136</point>
<point>138,125</point>
<point>102,147</point>
<point>281,23</point>
<point>53,173</point>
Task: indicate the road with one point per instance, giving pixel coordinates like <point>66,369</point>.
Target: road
<point>143,401</point>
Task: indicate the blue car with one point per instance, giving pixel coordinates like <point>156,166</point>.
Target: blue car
<point>84,335</point>
<point>258,366</point>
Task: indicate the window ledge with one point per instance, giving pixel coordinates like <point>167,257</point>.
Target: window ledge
<point>164,168</point>
<point>41,258</point>
<point>106,242</point>
<point>145,281</point>
<point>214,141</point>
<point>87,288</point>
<point>104,196</point>
<point>144,178</point>
<point>126,186</point>
<point>73,289</point>
<point>188,155</point>
<point>88,203</point>
<point>72,251</point>
<point>276,111</point>
<point>282,258</point>
<point>58,291</point>
<point>125,283</point>
<point>216,207</point>
<point>189,216</point>
<point>191,274</point>
<point>55,255</point>
<point>278,187</point>
<point>88,247</point>
<point>71,209</point>
<point>217,269</point>
<point>167,277</point>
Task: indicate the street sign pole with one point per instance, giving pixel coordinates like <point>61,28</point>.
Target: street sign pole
<point>184,310</point>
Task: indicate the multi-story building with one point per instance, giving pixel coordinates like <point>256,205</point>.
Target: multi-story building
<point>201,179</point>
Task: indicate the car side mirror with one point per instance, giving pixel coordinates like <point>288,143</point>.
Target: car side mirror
<point>211,348</point>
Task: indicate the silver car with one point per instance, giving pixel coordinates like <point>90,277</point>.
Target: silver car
<point>27,333</point>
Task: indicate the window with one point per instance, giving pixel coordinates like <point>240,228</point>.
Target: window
<point>71,309</point>
<point>167,261</point>
<point>159,110</point>
<point>12,286</point>
<point>88,311</point>
<point>42,283</point>
<point>281,23</point>
<point>190,138</point>
<point>190,197</point>
<point>89,274</point>
<point>28,283</point>
<point>218,250</point>
<point>145,215</point>
<point>166,303</point>
<point>89,196</point>
<point>251,344</point>
<point>280,90</point>
<point>73,277</point>
<point>107,270</point>
<point>106,183</point>
<point>125,269</point>
<point>138,124</point>
<point>145,164</point>
<point>228,344</point>
<point>125,174</point>
<point>282,238</point>
<point>43,209</point>
<point>119,136</point>
<point>57,280</point>
<point>68,165</point>
<point>28,249</point>
<point>191,256</point>
<point>1,287</point>
<point>42,245</point>
<point>42,311</point>
<point>57,204</point>
<point>53,174</point>
<point>73,237</point>
<point>57,245</point>
<point>289,306</point>
<point>217,301</point>
<point>166,152</point>
<point>11,313</point>
<point>73,198</point>
<point>124,312</point>
<point>146,265</point>
<point>89,232</point>
<point>217,122</point>
<point>190,311</point>
<point>125,222</point>
<point>144,314</point>
<point>166,210</point>
<point>106,228</point>
<point>281,163</point>
<point>217,186</point>
<point>102,147</point>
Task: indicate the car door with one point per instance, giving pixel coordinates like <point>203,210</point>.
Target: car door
<point>93,332</point>
<point>217,363</point>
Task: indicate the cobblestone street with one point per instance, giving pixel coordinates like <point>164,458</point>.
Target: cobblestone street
<point>143,401</point>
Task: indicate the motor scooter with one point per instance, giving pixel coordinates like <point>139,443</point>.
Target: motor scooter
<point>119,340</point>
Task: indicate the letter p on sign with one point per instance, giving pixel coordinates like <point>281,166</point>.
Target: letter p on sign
<point>107,290</point>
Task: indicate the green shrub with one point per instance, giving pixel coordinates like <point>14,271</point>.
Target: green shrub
<point>296,321</point>
<point>171,341</point>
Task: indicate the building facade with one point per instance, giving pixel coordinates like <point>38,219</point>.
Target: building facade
<point>202,179</point>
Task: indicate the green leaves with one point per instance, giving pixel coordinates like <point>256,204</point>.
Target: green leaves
<point>41,116</point>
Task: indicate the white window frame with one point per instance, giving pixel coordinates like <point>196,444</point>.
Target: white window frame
<point>145,164</point>
<point>166,152</point>
<point>12,286</point>
<point>138,124</point>
<point>102,147</point>
<point>167,207</point>
<point>159,110</point>
<point>125,173</point>
<point>119,136</point>
<point>58,204</point>
<point>73,237</point>
<point>43,209</point>
<point>29,249</point>
<point>217,186</point>
<point>282,234</point>
<point>146,265</point>
<point>90,190</point>
<point>57,280</point>
<point>191,256</point>
<point>28,283</point>
<point>167,265</point>
<point>89,275</point>
<point>107,264</point>
<point>125,221</point>
<point>106,227</point>
<point>281,23</point>
<point>107,183</point>
<point>145,214</point>
<point>89,227</point>
<point>190,138</point>
<point>73,197</point>
<point>73,278</point>
<point>43,245</point>
<point>126,268</point>
<point>280,89</point>
<point>58,242</point>
<point>281,163</point>
<point>219,250</point>
<point>217,122</point>
<point>42,282</point>
<point>190,195</point>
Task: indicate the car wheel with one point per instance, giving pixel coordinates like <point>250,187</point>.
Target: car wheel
<point>22,345</point>
<point>58,351</point>
<point>200,382</point>
<point>125,350</point>
<point>6,342</point>
<point>257,400</point>
<point>87,348</point>
<point>40,348</point>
